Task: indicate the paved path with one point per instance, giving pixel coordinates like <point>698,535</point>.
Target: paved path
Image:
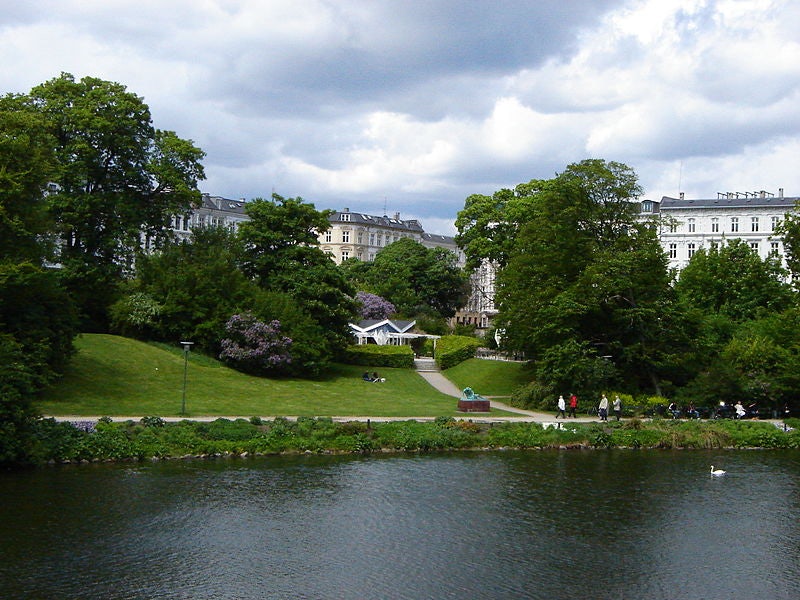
<point>444,385</point>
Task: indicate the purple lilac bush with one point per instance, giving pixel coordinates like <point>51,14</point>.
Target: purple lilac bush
<point>375,307</point>
<point>255,346</point>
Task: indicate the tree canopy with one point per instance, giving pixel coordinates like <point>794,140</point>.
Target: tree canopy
<point>415,279</point>
<point>582,283</point>
<point>118,181</point>
<point>732,280</point>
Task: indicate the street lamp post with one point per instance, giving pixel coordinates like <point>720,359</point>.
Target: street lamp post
<point>186,347</point>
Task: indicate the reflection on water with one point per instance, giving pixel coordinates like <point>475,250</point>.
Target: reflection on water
<point>570,524</point>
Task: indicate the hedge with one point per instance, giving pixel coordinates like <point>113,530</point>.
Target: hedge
<point>454,349</point>
<point>372,355</point>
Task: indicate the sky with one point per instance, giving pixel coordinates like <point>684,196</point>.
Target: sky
<point>411,106</point>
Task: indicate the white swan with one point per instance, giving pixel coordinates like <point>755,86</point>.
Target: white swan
<point>717,471</point>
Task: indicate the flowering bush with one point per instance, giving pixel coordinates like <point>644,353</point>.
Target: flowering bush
<point>374,307</point>
<point>254,346</point>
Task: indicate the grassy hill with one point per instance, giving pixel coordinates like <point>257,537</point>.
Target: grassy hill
<point>117,376</point>
<point>489,377</point>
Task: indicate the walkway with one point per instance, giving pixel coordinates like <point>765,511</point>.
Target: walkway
<point>427,369</point>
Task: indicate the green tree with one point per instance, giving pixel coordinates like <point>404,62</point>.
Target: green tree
<point>119,181</point>
<point>282,254</point>
<point>187,290</point>
<point>732,280</point>
<point>414,278</point>
<point>789,230</point>
<point>587,282</point>
<point>488,225</point>
<point>37,316</point>
<point>27,163</point>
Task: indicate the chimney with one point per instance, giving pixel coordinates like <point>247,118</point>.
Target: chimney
<point>780,192</point>
<point>397,216</point>
<point>762,194</point>
<point>346,210</point>
<point>681,194</point>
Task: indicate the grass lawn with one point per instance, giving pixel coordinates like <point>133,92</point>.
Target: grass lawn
<point>489,377</point>
<point>117,376</point>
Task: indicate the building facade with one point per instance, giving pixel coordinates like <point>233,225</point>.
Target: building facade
<point>213,211</point>
<point>362,236</point>
<point>687,225</point>
<point>480,309</point>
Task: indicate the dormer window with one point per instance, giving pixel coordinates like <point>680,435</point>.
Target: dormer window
<point>344,217</point>
<point>647,206</point>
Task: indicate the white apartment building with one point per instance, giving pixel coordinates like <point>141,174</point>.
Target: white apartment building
<point>687,225</point>
<point>480,309</point>
<point>212,211</point>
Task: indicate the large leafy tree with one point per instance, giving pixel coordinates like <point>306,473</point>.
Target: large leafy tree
<point>586,284</point>
<point>37,317</point>
<point>119,180</point>
<point>789,230</point>
<point>733,281</point>
<point>27,163</point>
<point>282,254</point>
<point>187,290</point>
<point>415,279</point>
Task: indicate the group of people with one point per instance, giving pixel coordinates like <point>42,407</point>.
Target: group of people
<point>374,378</point>
<point>562,406</point>
<point>602,409</point>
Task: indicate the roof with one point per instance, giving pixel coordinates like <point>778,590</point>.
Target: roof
<point>225,205</point>
<point>384,221</point>
<point>668,203</point>
<point>439,239</point>
<point>373,324</point>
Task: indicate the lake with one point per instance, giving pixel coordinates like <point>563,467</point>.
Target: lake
<point>538,524</point>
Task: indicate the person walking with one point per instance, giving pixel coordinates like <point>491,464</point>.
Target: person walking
<point>617,406</point>
<point>603,408</point>
<point>573,405</point>
<point>562,406</point>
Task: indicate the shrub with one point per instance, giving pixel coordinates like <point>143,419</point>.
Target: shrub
<point>454,349</point>
<point>374,306</point>
<point>534,395</point>
<point>253,346</point>
<point>372,355</point>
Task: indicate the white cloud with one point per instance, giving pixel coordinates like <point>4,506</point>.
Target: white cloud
<point>424,103</point>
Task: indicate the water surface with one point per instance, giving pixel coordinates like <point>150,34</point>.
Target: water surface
<point>550,524</point>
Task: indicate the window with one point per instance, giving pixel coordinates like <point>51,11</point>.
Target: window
<point>753,223</point>
<point>734,224</point>
<point>691,225</point>
<point>691,250</point>
<point>371,239</point>
<point>774,251</point>
<point>360,237</point>
<point>647,206</point>
<point>345,237</point>
<point>345,255</point>
<point>715,225</point>
<point>774,223</point>
<point>673,226</point>
<point>673,250</point>
<point>345,217</point>
<point>754,246</point>
<point>380,239</point>
<point>328,236</point>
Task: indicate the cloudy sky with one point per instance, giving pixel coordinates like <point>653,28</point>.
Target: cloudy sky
<point>412,105</point>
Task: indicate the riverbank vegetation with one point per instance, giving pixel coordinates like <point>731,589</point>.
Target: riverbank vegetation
<point>153,438</point>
